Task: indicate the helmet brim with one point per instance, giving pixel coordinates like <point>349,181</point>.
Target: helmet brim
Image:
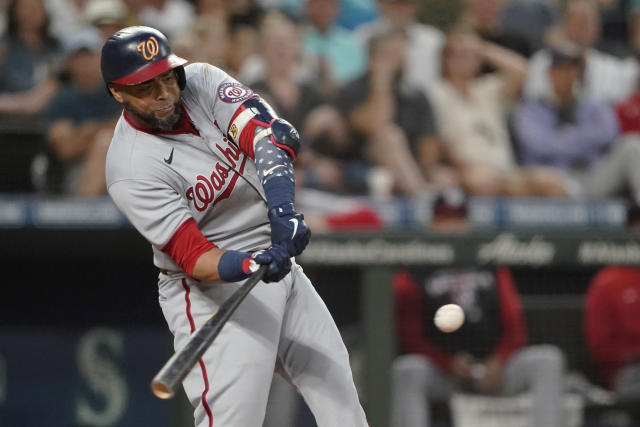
<point>152,70</point>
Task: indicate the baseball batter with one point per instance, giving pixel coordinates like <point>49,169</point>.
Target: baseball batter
<point>201,166</point>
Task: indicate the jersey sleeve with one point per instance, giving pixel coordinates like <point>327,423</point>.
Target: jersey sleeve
<point>157,212</point>
<point>217,92</point>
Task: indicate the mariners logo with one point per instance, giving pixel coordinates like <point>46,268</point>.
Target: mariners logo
<point>149,48</point>
<point>233,92</point>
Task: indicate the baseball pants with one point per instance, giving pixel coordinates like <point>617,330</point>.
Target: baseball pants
<point>537,369</point>
<point>285,323</point>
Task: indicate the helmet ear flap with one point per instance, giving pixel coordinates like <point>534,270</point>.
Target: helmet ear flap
<point>180,75</point>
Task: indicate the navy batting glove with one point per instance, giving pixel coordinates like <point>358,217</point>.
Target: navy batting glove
<point>278,260</point>
<point>289,229</point>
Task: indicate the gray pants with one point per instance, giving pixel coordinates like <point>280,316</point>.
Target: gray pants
<point>536,369</point>
<point>617,170</point>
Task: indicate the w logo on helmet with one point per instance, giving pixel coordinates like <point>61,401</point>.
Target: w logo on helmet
<point>149,48</point>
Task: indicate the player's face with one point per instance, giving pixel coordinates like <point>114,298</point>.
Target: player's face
<point>155,103</point>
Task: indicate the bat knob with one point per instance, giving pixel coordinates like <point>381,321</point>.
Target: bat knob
<point>161,390</point>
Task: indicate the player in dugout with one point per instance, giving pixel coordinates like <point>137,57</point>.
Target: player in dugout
<point>487,355</point>
<point>202,167</point>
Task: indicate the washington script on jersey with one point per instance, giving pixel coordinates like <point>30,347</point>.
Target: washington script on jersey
<point>203,192</point>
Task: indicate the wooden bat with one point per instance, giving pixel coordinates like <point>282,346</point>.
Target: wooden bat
<point>178,366</point>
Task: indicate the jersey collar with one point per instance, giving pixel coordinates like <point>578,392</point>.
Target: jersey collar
<point>184,127</point>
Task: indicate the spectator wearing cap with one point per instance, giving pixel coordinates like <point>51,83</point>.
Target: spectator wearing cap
<point>108,16</point>
<point>576,136</point>
<point>605,77</point>
<point>82,117</point>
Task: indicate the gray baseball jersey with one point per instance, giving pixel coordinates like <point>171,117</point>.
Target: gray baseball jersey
<point>160,180</point>
<point>196,174</point>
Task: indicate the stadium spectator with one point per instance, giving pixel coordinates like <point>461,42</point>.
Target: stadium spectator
<point>471,115</point>
<point>108,16</point>
<point>169,16</point>
<point>628,111</point>
<point>29,57</point>
<point>487,355</point>
<point>612,331</point>
<point>82,118</point>
<point>483,18</point>
<point>388,119</point>
<point>213,36</point>
<point>531,19</point>
<point>578,137</point>
<point>319,124</point>
<point>619,21</point>
<point>605,77</point>
<point>424,42</point>
<point>338,57</point>
<point>250,66</point>
<point>353,13</point>
<point>65,17</point>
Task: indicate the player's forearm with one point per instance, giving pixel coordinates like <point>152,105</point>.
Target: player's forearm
<point>275,170</point>
<point>206,267</point>
<point>219,264</point>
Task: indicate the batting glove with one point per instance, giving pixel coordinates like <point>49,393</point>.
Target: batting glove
<point>289,229</point>
<point>278,260</point>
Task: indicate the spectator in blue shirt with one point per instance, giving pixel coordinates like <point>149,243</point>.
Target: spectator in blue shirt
<point>577,135</point>
<point>340,58</point>
<point>82,119</point>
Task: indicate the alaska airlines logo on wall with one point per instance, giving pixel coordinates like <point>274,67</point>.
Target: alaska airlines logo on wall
<point>149,48</point>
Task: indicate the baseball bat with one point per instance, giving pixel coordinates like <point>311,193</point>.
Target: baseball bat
<point>178,366</point>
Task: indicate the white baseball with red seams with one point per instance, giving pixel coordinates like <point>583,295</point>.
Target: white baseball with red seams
<point>162,181</point>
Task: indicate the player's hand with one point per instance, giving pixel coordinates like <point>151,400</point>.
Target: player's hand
<point>492,379</point>
<point>460,366</point>
<point>278,260</point>
<point>289,229</point>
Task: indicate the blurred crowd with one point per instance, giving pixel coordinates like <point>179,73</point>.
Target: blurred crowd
<point>392,97</point>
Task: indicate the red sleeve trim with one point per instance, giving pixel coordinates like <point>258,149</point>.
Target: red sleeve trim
<point>187,245</point>
<point>248,133</point>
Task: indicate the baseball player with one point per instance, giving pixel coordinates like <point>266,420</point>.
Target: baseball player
<point>201,166</point>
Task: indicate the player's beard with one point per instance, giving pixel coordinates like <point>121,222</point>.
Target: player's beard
<point>151,121</point>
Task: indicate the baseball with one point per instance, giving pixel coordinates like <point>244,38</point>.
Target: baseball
<point>449,317</point>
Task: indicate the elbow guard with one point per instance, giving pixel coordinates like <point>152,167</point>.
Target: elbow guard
<point>285,136</point>
<point>255,120</point>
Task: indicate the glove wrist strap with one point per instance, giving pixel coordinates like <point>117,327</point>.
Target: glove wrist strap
<point>286,209</point>
<point>234,266</point>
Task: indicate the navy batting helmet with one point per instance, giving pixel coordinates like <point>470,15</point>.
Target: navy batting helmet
<point>137,54</point>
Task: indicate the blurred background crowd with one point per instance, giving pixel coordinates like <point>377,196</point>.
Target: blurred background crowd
<point>392,97</point>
